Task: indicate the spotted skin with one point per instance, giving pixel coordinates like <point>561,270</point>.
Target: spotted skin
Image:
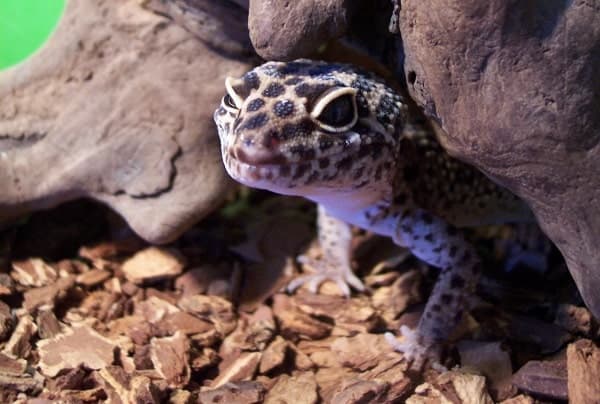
<point>349,142</point>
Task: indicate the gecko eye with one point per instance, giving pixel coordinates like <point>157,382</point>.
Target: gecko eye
<point>227,100</point>
<point>232,99</point>
<point>335,110</point>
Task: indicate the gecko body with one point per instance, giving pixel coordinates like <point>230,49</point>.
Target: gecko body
<point>344,139</point>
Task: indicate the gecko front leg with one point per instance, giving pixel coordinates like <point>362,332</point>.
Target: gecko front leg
<point>335,237</point>
<point>439,244</point>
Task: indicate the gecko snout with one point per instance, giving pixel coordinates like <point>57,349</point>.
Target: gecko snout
<point>250,150</point>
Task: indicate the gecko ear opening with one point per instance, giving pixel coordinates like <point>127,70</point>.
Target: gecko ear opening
<point>232,99</point>
<point>335,110</point>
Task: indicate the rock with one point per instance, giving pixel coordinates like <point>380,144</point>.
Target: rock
<point>77,345</point>
<point>219,24</point>
<point>545,378</point>
<point>293,29</point>
<point>109,110</point>
<point>583,364</point>
<point>514,88</point>
<point>153,264</point>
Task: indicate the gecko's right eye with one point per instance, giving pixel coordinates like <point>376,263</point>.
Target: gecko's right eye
<point>335,110</point>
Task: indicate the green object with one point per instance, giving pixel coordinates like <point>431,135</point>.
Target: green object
<point>24,27</point>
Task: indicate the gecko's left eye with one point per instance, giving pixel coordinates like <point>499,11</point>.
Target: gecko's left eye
<point>227,100</point>
<point>335,110</point>
<point>232,99</point>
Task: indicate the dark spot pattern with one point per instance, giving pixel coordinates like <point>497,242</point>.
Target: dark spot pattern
<point>323,163</point>
<point>293,81</point>
<point>254,122</point>
<point>283,108</point>
<point>255,105</point>
<point>273,90</point>
<point>427,218</point>
<point>251,80</point>
<point>291,130</point>
<point>453,251</point>
<point>325,143</point>
<point>457,282</point>
<point>304,152</point>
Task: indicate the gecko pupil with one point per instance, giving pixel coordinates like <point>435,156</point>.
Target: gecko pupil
<point>339,112</point>
<point>227,100</point>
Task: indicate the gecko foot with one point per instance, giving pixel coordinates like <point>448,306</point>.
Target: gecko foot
<point>415,351</point>
<point>326,271</point>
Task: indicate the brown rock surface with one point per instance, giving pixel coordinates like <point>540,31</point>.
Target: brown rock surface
<point>116,107</point>
<point>514,87</point>
<point>293,29</point>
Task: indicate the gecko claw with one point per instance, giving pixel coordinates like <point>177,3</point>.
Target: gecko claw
<point>326,271</point>
<point>414,350</point>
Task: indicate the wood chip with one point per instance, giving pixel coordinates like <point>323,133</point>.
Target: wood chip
<point>546,378</point>
<point>301,388</point>
<point>11,366</point>
<point>48,295</point>
<point>204,359</point>
<point>7,285</point>
<point>184,322</point>
<point>349,315</point>
<point>361,391</point>
<point>33,272</point>
<point>239,369</point>
<point>153,264</point>
<point>454,386</point>
<point>154,309</point>
<point>361,352</point>
<point>25,384</point>
<point>212,308</point>
<point>274,355</point>
<point>77,345</point>
<point>19,344</point>
<point>576,320</point>
<point>520,399</point>
<point>93,277</point>
<point>247,392</point>
<point>394,300</point>
<point>490,359</point>
<point>295,323</point>
<point>583,362</point>
<point>47,323</point>
<point>170,357</point>
<point>7,321</point>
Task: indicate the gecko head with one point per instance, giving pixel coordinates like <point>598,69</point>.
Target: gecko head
<point>308,127</point>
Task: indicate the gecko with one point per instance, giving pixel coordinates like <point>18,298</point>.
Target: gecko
<point>343,138</point>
